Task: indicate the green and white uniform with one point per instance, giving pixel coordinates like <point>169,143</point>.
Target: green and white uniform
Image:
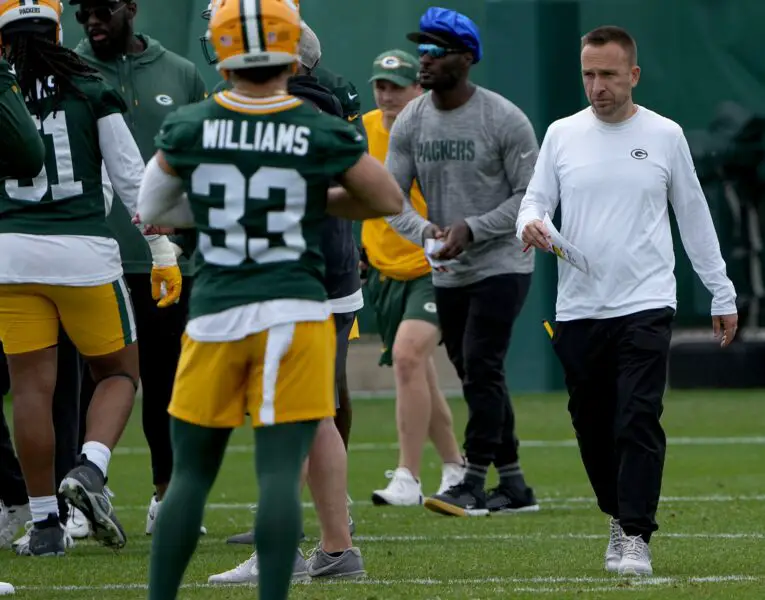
<point>53,227</point>
<point>257,175</point>
<point>21,151</point>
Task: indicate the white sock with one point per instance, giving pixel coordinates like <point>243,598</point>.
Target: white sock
<point>98,454</point>
<point>42,507</point>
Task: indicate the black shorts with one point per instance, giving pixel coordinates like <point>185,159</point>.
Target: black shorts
<point>343,325</point>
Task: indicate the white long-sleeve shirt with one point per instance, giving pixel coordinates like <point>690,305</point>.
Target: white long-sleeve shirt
<point>614,183</point>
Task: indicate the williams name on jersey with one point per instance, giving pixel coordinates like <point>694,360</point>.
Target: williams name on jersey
<point>280,138</point>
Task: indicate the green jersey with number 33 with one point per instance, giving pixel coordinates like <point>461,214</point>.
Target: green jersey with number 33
<point>66,197</point>
<point>257,173</point>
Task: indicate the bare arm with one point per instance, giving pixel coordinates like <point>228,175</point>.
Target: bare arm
<point>368,192</point>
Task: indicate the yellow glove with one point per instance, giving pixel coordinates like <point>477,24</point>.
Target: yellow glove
<point>166,285</point>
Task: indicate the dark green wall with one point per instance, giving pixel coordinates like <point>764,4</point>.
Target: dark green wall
<point>694,55</point>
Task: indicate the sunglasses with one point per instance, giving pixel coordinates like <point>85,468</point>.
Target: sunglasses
<point>103,13</point>
<point>435,51</point>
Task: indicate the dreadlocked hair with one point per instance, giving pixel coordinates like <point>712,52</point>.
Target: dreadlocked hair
<point>37,58</point>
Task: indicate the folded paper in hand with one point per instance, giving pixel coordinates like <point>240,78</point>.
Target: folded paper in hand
<point>432,247</point>
<point>565,249</point>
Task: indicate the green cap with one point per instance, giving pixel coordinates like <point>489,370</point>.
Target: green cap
<point>396,66</point>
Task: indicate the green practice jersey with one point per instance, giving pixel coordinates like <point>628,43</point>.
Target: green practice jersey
<point>66,197</point>
<point>21,151</point>
<point>257,174</point>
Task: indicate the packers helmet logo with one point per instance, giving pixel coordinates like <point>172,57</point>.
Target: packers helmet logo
<point>430,307</point>
<point>164,100</point>
<point>390,62</point>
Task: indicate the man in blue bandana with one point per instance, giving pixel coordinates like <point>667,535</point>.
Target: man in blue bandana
<point>473,154</point>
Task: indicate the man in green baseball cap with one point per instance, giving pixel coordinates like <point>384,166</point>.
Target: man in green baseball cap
<point>400,288</point>
<point>397,66</point>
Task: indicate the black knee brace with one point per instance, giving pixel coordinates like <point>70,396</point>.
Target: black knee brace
<point>125,375</point>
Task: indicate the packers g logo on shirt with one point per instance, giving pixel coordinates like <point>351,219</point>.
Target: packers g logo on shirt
<point>164,100</point>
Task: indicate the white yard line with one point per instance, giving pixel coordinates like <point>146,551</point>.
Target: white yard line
<point>605,583</point>
<point>551,502</point>
<point>390,446</point>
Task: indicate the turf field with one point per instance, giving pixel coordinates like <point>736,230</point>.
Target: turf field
<point>710,544</point>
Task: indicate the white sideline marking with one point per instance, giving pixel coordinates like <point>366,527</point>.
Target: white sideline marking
<point>551,502</point>
<point>617,582</point>
<point>388,446</point>
<point>516,537</point>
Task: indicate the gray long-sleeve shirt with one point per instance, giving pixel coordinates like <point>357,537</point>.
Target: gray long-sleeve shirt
<point>471,163</point>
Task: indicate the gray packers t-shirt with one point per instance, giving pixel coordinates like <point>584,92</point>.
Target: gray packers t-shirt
<point>471,163</point>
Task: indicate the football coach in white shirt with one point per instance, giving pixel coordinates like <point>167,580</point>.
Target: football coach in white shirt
<point>614,168</point>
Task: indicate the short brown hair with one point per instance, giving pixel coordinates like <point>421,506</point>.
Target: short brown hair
<point>600,36</point>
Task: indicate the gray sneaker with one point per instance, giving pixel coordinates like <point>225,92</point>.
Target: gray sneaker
<point>348,565</point>
<point>85,488</point>
<point>46,538</point>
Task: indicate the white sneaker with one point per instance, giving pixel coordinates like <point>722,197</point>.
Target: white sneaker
<point>151,517</point>
<point>451,475</point>
<point>6,589</point>
<point>248,573</point>
<point>614,549</point>
<point>636,556</point>
<point>403,490</point>
<point>12,518</point>
<point>77,525</point>
<point>23,541</point>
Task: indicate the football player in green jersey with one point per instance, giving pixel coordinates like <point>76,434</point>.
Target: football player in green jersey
<point>60,265</point>
<point>22,152</point>
<point>250,169</point>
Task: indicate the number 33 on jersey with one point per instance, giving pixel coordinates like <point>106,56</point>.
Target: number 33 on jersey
<point>257,172</point>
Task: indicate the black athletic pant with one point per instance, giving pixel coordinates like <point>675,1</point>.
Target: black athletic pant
<point>65,421</point>
<point>616,372</point>
<point>476,323</point>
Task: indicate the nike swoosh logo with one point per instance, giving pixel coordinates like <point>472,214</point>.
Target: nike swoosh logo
<point>525,155</point>
<point>352,96</point>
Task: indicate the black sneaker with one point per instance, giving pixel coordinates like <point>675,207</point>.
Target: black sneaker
<point>46,538</point>
<point>84,487</point>
<point>462,500</point>
<point>505,501</point>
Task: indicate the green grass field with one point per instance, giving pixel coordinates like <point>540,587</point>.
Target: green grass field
<point>710,544</point>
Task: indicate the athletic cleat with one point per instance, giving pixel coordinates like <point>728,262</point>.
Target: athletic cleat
<point>6,589</point>
<point>461,500</point>
<point>84,488</point>
<point>504,501</point>
<point>153,513</point>
<point>24,539</point>
<point>614,548</point>
<point>349,565</point>
<point>636,557</point>
<point>248,573</point>
<point>12,518</point>
<point>451,475</point>
<point>46,538</point>
<point>77,525</point>
<point>403,490</point>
